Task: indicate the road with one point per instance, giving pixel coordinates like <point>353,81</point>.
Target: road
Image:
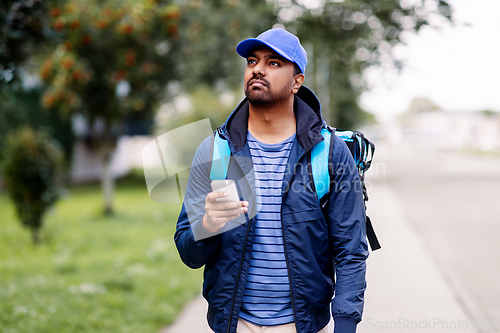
<point>451,204</point>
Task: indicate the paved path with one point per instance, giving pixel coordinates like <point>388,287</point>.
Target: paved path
<point>409,287</point>
<point>192,319</point>
<point>406,291</point>
<point>452,202</point>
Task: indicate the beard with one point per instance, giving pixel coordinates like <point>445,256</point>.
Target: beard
<point>263,96</point>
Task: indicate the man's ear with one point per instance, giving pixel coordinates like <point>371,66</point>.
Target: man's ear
<point>298,80</point>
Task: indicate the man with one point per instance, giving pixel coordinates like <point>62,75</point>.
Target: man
<point>271,259</point>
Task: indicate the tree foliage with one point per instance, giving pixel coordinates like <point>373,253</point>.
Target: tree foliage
<point>209,31</point>
<point>112,58</point>
<point>209,70</point>
<point>23,28</point>
<point>21,108</point>
<point>346,37</point>
<point>110,64</point>
<point>342,38</point>
<point>32,170</point>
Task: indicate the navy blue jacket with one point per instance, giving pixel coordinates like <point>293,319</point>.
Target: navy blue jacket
<point>325,251</point>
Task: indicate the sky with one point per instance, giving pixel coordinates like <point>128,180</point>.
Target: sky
<point>457,67</point>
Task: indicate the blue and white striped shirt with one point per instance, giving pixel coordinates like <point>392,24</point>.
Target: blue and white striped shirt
<point>266,300</point>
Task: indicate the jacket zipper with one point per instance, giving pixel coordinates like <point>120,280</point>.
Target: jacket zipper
<point>221,132</point>
<point>288,271</point>
<point>286,251</point>
<point>286,259</point>
<point>239,274</point>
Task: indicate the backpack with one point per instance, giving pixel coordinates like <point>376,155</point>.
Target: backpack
<point>362,151</point>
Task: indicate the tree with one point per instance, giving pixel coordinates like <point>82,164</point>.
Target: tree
<point>23,27</point>
<point>346,37</point>
<point>209,31</point>
<point>209,69</point>
<point>21,107</point>
<point>110,64</point>
<point>32,168</point>
<point>342,38</point>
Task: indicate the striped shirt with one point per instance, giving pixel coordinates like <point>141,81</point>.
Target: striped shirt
<point>266,300</point>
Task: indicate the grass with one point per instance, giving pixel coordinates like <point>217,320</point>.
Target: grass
<point>93,273</point>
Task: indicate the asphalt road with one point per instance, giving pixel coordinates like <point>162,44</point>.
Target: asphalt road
<point>452,203</point>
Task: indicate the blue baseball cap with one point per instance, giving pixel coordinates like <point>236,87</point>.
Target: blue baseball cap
<point>281,41</point>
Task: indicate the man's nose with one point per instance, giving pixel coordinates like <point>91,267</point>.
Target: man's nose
<point>260,68</point>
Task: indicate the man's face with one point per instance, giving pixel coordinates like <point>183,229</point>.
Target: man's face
<point>269,78</point>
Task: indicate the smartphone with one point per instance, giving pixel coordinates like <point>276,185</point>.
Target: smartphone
<point>225,185</point>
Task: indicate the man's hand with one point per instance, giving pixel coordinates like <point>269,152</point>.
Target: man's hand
<point>219,213</point>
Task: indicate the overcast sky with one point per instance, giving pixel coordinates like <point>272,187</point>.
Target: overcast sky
<point>457,67</point>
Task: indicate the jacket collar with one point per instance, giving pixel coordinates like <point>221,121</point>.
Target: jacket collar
<point>307,114</point>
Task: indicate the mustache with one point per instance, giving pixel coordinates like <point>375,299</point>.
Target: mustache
<point>259,78</point>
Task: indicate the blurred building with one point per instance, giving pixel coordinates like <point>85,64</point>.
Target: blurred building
<point>86,164</point>
<point>426,123</point>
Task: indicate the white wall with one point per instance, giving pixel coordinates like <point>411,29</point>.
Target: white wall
<point>86,165</point>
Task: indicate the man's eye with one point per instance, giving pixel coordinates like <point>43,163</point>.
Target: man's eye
<point>274,63</point>
<point>251,61</point>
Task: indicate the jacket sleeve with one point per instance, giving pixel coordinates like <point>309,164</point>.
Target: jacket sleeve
<point>196,246</point>
<point>347,228</point>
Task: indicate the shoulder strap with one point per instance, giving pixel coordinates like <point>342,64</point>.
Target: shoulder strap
<point>370,234</point>
<point>362,151</point>
<point>320,164</point>
<point>220,157</point>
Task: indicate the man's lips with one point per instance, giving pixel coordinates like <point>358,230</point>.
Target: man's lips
<point>256,83</point>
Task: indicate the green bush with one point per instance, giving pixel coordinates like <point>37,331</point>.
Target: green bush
<point>33,174</point>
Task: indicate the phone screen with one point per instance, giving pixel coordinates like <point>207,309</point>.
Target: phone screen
<point>225,185</point>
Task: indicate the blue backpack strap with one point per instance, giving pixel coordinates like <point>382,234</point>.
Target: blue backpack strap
<point>362,151</point>
<point>319,164</point>
<point>220,157</point>
<point>345,135</point>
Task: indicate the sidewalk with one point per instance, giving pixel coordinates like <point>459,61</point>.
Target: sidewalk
<point>406,290</point>
<point>192,319</point>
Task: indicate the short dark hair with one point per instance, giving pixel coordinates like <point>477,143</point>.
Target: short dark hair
<point>297,70</point>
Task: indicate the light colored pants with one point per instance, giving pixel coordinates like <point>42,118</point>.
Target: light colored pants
<point>246,327</point>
